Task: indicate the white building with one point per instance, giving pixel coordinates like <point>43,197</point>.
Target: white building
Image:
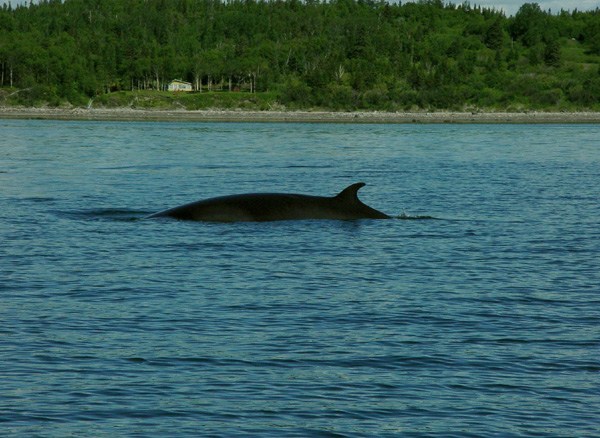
<point>179,85</point>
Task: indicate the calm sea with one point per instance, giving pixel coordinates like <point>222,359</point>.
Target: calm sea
<point>475,313</point>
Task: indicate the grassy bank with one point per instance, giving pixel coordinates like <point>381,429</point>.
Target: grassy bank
<point>41,96</point>
<point>162,100</point>
<point>550,99</point>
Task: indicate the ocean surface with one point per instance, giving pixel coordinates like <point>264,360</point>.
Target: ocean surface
<point>475,312</point>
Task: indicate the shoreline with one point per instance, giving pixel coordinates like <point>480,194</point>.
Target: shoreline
<point>243,116</point>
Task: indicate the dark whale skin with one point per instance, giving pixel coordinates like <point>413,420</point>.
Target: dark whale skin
<point>262,207</point>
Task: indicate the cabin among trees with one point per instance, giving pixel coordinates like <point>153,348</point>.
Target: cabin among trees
<point>179,85</point>
<point>335,54</point>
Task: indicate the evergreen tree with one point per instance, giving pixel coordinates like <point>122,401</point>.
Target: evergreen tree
<point>552,54</point>
<point>343,54</point>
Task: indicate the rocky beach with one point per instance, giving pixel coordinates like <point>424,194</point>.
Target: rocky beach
<point>130,114</point>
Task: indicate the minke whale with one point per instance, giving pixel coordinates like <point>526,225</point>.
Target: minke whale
<point>261,207</point>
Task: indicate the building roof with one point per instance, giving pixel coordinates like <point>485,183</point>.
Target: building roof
<point>180,81</point>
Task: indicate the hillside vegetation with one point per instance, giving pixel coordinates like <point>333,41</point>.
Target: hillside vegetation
<point>338,55</point>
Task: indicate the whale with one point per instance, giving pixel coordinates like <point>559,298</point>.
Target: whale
<point>263,207</point>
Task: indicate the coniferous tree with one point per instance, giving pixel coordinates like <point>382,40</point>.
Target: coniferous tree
<point>552,54</point>
<point>344,54</point>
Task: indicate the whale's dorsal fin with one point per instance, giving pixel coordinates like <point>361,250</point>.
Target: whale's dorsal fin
<point>350,193</point>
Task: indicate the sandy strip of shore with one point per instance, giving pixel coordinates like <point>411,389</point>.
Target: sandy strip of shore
<point>128,114</point>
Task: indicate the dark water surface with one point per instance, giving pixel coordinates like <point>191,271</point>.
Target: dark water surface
<point>475,314</point>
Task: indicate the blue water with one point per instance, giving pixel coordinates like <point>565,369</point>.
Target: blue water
<point>475,313</point>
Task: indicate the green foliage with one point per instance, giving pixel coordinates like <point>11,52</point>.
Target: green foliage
<point>166,100</point>
<point>552,54</point>
<point>338,97</point>
<point>36,95</point>
<point>258,54</point>
<point>295,93</point>
<point>529,24</point>
<point>494,35</point>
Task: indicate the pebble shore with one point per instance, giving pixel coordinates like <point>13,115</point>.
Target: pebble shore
<point>128,114</point>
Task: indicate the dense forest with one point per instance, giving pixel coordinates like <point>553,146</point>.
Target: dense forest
<point>336,54</point>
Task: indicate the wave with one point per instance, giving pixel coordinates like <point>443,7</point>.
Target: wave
<point>129,215</point>
<point>410,217</point>
<point>106,214</point>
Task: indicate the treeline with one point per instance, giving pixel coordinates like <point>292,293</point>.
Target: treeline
<point>339,54</point>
